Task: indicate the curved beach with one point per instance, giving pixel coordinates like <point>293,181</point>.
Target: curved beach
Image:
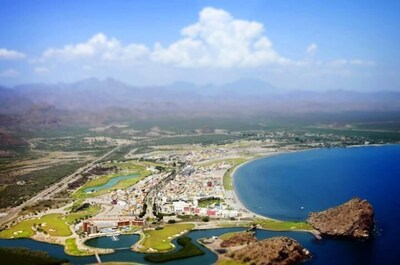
<point>231,195</point>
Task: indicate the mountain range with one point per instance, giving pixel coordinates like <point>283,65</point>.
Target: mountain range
<point>94,100</point>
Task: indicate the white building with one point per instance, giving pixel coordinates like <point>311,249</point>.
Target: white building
<point>179,206</point>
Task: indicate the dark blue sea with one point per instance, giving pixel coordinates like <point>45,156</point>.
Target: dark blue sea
<point>280,186</point>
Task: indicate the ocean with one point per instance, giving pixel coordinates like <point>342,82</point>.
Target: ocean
<point>289,186</point>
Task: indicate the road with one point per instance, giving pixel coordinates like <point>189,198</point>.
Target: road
<point>49,192</point>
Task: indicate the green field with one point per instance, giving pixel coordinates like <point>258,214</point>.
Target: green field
<point>188,250</point>
<point>275,225</point>
<point>244,224</point>
<point>77,203</point>
<point>227,180</point>
<point>52,224</point>
<point>90,211</point>
<point>161,239</point>
<point>72,249</point>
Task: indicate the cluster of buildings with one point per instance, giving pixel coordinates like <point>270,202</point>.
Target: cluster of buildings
<point>193,183</point>
<point>129,202</point>
<point>188,154</point>
<point>191,207</point>
<point>201,179</point>
<point>109,225</point>
<point>202,155</point>
<point>181,194</point>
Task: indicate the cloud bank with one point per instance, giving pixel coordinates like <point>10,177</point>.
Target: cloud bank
<point>216,40</point>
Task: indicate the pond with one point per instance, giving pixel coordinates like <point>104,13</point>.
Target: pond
<point>112,182</point>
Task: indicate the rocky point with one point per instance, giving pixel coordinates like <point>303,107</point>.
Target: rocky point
<point>354,219</point>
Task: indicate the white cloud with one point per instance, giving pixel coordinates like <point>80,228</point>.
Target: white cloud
<point>9,73</point>
<point>97,47</point>
<point>353,62</point>
<point>41,70</point>
<point>219,40</point>
<point>6,54</point>
<point>312,48</point>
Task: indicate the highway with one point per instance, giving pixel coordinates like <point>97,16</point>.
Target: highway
<point>54,189</point>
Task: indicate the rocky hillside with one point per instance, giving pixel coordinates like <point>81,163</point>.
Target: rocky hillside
<point>354,219</point>
<point>276,250</point>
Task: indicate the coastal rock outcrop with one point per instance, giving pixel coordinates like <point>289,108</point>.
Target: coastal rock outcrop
<point>354,219</point>
<point>275,250</point>
<point>238,239</point>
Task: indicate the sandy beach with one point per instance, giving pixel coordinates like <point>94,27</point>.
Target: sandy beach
<point>231,195</point>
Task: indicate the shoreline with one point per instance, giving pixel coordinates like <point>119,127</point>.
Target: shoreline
<point>233,198</point>
<point>232,195</point>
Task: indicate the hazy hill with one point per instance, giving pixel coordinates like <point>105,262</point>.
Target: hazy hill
<point>95,101</point>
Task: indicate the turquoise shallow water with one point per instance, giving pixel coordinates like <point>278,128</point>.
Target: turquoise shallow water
<point>112,182</point>
<point>279,186</point>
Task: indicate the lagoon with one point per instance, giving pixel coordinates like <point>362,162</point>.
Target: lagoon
<point>123,242</point>
<point>112,182</point>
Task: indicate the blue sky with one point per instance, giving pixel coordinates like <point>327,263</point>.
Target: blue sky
<point>291,44</point>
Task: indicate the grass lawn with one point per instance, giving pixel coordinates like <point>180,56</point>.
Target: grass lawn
<point>50,223</point>
<point>21,230</point>
<point>161,239</point>
<point>123,184</point>
<point>283,225</point>
<point>188,250</point>
<point>90,211</point>
<point>244,224</point>
<point>72,249</point>
<point>227,179</point>
<point>75,204</point>
<point>53,224</point>
<point>207,202</point>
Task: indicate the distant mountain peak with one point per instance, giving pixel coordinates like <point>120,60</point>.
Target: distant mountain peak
<point>87,82</point>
